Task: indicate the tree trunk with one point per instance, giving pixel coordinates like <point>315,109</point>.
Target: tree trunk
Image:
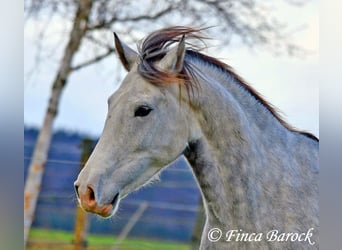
<point>36,169</point>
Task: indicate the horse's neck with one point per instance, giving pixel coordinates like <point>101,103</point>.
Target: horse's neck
<point>254,174</point>
<point>237,136</point>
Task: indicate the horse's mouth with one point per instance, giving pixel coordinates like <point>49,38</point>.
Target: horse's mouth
<point>115,200</point>
<point>108,210</point>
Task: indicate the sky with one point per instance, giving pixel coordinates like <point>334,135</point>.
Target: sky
<point>289,83</point>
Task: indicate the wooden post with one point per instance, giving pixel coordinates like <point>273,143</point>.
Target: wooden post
<point>81,222</point>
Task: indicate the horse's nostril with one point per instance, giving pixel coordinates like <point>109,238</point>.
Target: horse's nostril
<point>91,194</point>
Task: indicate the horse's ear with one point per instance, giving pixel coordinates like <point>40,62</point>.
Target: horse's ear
<point>127,55</point>
<point>174,59</point>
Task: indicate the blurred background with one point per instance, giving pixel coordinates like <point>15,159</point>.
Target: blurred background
<point>70,69</point>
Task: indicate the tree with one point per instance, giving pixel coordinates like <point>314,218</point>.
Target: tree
<point>249,21</point>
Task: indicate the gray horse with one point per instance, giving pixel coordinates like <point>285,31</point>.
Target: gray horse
<point>258,176</point>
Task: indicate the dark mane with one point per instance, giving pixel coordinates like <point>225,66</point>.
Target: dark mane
<point>156,45</point>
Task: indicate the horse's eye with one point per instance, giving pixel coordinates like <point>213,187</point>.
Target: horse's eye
<point>142,111</point>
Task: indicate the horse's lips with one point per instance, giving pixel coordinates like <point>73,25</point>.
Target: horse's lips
<point>107,210</point>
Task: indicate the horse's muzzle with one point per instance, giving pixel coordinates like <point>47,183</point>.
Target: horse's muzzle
<point>88,202</point>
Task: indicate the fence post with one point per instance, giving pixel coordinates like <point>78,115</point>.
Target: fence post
<point>81,222</point>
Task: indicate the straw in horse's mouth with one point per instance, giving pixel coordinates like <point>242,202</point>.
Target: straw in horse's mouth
<point>115,199</point>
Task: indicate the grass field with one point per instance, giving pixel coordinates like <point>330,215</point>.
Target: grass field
<point>53,240</point>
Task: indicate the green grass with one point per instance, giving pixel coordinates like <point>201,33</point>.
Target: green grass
<point>53,239</point>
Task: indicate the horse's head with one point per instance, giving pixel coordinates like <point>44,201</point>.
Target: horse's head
<point>146,128</point>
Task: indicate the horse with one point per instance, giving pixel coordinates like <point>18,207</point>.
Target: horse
<point>257,175</point>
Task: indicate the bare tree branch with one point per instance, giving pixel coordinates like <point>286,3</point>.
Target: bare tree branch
<point>93,60</point>
<point>107,24</point>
